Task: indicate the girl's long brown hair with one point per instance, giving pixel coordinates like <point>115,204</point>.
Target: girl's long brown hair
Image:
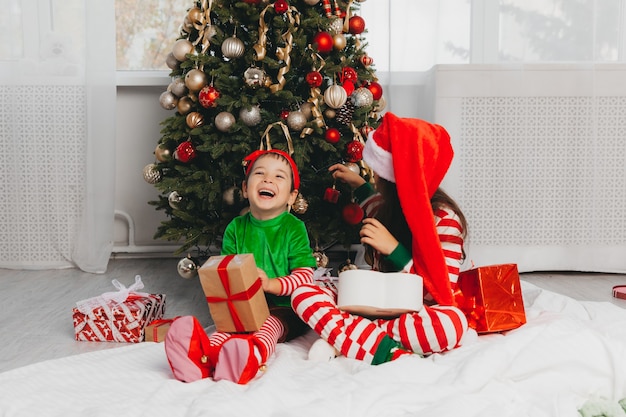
<point>390,214</point>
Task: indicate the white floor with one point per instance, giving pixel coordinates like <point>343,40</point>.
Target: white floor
<point>36,306</point>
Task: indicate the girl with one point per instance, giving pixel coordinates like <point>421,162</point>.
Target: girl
<point>412,226</point>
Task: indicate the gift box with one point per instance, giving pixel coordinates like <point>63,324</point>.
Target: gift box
<point>491,298</point>
<point>157,329</point>
<point>233,291</point>
<point>120,316</point>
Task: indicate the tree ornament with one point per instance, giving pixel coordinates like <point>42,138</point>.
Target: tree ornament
<point>254,77</point>
<point>335,26</point>
<point>300,206</point>
<point>171,61</point>
<point>307,109</point>
<point>330,113</point>
<point>335,96</point>
<point>195,80</point>
<point>231,195</point>
<point>281,6</point>
<point>162,154</point>
<point>332,135</point>
<point>250,116</point>
<point>311,2</point>
<point>152,174</point>
<point>345,113</point>
<point>321,260</point>
<point>196,17</point>
<point>187,267</point>
<point>376,89</point>
<point>352,213</point>
<point>224,121</point>
<point>354,167</point>
<point>252,1</point>
<point>366,129</point>
<point>194,119</point>
<point>362,97</point>
<point>296,120</point>
<point>181,48</point>
<point>356,25</point>
<point>339,42</point>
<point>284,114</point>
<point>233,47</point>
<point>354,151</point>
<point>208,96</point>
<point>174,199</point>
<point>178,87</point>
<point>347,266</point>
<point>323,42</point>
<point>168,100</point>
<point>367,61</point>
<point>185,152</point>
<point>314,79</point>
<point>332,194</point>
<point>184,105</point>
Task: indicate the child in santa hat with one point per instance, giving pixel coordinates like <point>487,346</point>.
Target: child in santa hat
<point>411,226</point>
<point>283,254</point>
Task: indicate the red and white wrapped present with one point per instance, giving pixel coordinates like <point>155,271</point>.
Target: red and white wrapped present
<point>119,316</point>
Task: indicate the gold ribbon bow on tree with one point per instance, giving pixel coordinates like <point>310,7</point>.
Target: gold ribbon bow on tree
<point>266,143</point>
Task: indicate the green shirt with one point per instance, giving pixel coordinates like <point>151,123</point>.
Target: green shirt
<point>279,245</point>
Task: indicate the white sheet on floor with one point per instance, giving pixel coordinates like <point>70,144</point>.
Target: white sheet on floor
<point>569,352</point>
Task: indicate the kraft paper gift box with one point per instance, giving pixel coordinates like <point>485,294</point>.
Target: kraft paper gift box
<point>157,329</point>
<point>491,298</point>
<point>120,316</point>
<point>233,291</point>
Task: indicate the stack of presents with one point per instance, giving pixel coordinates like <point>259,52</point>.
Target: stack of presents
<point>490,297</point>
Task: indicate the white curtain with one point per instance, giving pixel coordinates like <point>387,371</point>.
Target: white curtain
<point>57,132</point>
<point>533,96</point>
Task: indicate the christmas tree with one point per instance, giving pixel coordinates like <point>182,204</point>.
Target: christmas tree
<point>251,74</point>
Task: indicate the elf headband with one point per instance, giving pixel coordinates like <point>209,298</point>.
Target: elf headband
<point>249,161</point>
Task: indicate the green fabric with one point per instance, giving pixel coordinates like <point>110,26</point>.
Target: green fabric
<point>399,257</point>
<point>383,351</point>
<point>279,246</point>
<point>362,192</point>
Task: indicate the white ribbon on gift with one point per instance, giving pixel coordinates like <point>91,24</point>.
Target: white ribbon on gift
<point>112,297</point>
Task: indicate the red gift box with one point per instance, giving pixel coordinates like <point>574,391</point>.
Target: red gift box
<point>233,291</point>
<point>491,298</point>
<point>118,316</point>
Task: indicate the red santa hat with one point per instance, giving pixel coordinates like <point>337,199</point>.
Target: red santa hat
<point>415,155</point>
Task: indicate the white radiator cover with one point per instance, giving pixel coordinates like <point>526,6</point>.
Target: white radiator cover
<point>540,163</point>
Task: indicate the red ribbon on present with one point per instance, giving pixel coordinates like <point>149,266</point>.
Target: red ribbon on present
<point>240,296</point>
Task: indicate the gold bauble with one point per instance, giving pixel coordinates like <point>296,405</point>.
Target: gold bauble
<point>346,266</point>
<point>195,80</point>
<point>307,109</point>
<point>339,42</point>
<point>168,100</point>
<point>171,61</point>
<point>321,260</point>
<point>194,119</point>
<point>335,96</point>
<point>152,173</point>
<point>330,113</point>
<point>196,17</point>
<point>178,87</point>
<point>184,105</point>
<point>300,206</point>
<point>181,48</point>
<point>162,154</point>
<point>233,47</point>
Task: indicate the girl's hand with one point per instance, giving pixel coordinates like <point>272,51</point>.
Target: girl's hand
<point>376,235</point>
<point>268,285</point>
<point>343,173</point>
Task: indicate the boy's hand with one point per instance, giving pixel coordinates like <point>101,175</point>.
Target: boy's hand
<point>270,286</point>
<point>345,174</point>
<point>376,235</point>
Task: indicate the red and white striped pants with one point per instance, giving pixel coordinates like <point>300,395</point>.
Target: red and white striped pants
<point>433,329</point>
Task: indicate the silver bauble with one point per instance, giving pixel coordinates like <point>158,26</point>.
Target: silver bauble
<point>187,267</point>
<point>178,87</point>
<point>152,173</point>
<point>353,167</point>
<point>300,206</point>
<point>171,61</point>
<point>296,120</point>
<point>362,97</point>
<point>181,48</point>
<point>224,121</point>
<point>335,96</point>
<point>195,80</point>
<point>233,47</point>
<point>254,77</point>
<point>168,100</point>
<point>307,109</point>
<point>184,105</point>
<point>250,116</point>
<point>174,199</point>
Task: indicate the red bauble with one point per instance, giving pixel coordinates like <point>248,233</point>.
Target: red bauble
<point>366,60</point>
<point>366,129</point>
<point>376,89</point>
<point>208,95</point>
<point>284,114</point>
<point>332,195</point>
<point>332,135</point>
<point>354,151</point>
<point>281,6</point>
<point>348,74</point>
<point>349,87</point>
<point>352,213</point>
<point>323,42</point>
<point>314,79</point>
<point>356,25</point>
<point>185,152</point>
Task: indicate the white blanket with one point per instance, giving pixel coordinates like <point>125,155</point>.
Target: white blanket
<point>567,354</point>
